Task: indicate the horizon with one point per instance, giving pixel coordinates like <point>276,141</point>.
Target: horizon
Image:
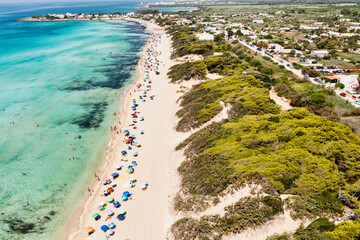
<point>16,2</point>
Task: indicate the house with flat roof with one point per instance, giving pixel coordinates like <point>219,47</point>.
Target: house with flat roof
<point>319,53</point>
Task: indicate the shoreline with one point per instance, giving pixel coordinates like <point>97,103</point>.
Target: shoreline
<point>30,19</point>
<point>73,226</point>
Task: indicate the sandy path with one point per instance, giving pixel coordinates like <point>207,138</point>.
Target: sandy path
<point>281,101</point>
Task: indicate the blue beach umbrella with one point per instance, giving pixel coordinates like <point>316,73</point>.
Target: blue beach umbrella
<point>123,152</point>
<point>104,228</point>
<point>114,175</point>
<point>126,193</point>
<point>116,204</point>
<point>111,225</point>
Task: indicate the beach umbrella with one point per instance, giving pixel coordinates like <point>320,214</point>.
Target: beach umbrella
<point>110,199</point>
<point>102,203</point>
<point>111,225</point>
<point>110,231</point>
<point>116,204</point>
<point>114,175</point>
<point>134,121</point>
<point>104,228</point>
<point>113,184</point>
<point>126,193</point>
<point>119,167</point>
<point>104,182</point>
<point>144,183</point>
<point>90,230</point>
<point>124,159</point>
<point>95,215</point>
<point>130,170</point>
<point>110,189</point>
<point>108,180</point>
<point>132,179</point>
<point>135,153</point>
<point>124,198</point>
<point>134,163</point>
<point>142,131</point>
<point>109,212</point>
<point>122,212</point>
<point>123,152</point>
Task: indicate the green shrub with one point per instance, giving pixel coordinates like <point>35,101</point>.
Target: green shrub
<point>244,93</point>
<point>324,204</point>
<point>246,213</point>
<point>187,71</point>
<point>345,231</point>
<point>297,152</point>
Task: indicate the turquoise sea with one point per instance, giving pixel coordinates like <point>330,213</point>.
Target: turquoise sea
<point>66,77</point>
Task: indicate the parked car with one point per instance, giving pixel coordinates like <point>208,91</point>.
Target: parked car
<point>343,94</point>
<point>357,102</point>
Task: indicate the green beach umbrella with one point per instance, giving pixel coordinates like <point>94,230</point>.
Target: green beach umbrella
<point>122,212</point>
<point>110,199</point>
<point>95,215</point>
<point>132,179</point>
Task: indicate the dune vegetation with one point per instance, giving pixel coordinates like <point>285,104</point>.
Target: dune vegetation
<point>304,152</point>
<point>244,93</point>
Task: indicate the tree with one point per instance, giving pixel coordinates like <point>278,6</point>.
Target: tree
<point>340,85</point>
<point>292,53</point>
<point>262,44</point>
<point>333,52</point>
<point>342,29</point>
<point>239,33</point>
<point>230,33</point>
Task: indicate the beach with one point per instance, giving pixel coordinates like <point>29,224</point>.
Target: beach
<point>147,211</point>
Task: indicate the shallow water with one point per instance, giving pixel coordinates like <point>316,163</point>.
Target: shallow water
<point>62,76</point>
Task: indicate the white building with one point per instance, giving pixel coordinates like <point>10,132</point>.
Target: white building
<point>205,36</point>
<point>258,21</point>
<point>319,53</point>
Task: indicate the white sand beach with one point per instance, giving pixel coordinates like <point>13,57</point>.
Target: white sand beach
<point>146,210</point>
